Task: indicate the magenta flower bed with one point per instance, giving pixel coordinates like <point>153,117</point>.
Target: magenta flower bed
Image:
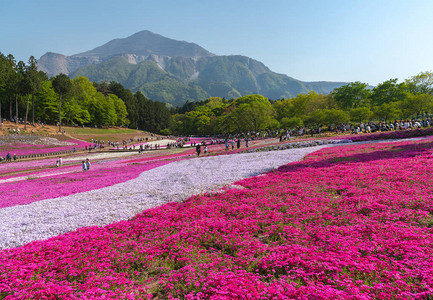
<point>346,223</point>
<point>387,135</point>
<point>76,181</point>
<point>27,165</point>
<point>28,149</point>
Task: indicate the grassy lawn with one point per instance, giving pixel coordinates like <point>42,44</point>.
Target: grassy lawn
<point>98,131</point>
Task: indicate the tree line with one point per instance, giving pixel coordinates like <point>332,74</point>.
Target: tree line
<point>28,96</point>
<point>354,102</point>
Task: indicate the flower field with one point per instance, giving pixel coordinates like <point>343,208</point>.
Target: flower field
<point>70,180</point>
<point>352,222</point>
<point>26,145</point>
<point>388,135</point>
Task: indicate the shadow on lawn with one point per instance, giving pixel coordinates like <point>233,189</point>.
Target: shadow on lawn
<point>393,151</point>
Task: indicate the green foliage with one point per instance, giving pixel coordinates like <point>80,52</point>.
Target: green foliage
<point>61,84</point>
<point>388,91</point>
<point>47,103</point>
<point>328,117</point>
<point>291,122</point>
<point>421,83</point>
<point>316,118</point>
<point>252,112</point>
<point>352,95</point>
<point>335,116</point>
<point>388,111</point>
<point>360,114</point>
<point>417,104</point>
<point>165,131</point>
<point>120,110</point>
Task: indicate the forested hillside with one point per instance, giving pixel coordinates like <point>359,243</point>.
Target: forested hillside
<point>28,96</point>
<point>186,79</point>
<point>352,103</point>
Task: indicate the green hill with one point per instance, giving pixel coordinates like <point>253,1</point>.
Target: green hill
<point>186,79</point>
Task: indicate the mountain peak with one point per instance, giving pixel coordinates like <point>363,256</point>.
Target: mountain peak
<point>145,43</point>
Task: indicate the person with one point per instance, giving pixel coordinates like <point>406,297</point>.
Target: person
<point>226,144</point>
<point>233,143</point>
<point>246,143</point>
<point>198,149</point>
<point>60,161</point>
<point>87,164</point>
<point>205,149</point>
<point>238,143</point>
<point>8,157</point>
<point>84,165</point>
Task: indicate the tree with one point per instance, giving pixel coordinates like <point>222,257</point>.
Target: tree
<point>388,111</point>
<point>252,112</point>
<point>388,91</point>
<point>293,122</point>
<point>360,114</point>
<point>62,85</point>
<point>36,78</point>
<point>421,83</point>
<point>417,104</point>
<point>131,102</point>
<point>352,95</point>
<point>12,85</point>
<point>22,85</point>
<point>31,81</point>
<point>283,109</point>
<point>26,90</point>
<point>4,73</point>
<point>316,118</point>
<point>46,106</point>
<point>335,116</point>
<point>120,108</point>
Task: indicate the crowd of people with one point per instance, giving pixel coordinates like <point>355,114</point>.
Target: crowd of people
<point>230,140</point>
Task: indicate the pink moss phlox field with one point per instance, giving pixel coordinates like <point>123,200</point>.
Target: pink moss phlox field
<point>387,135</point>
<point>28,149</point>
<point>74,181</point>
<point>349,222</point>
<point>23,165</point>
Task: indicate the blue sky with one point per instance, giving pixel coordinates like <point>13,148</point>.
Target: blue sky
<point>352,40</point>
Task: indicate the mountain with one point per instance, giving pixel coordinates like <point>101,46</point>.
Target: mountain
<point>145,43</point>
<point>177,71</point>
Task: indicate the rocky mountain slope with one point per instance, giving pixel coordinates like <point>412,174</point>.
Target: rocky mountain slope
<point>176,71</point>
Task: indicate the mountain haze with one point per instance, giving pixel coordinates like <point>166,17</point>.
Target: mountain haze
<point>176,71</point>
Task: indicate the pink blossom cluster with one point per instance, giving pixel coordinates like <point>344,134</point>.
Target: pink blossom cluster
<point>387,135</point>
<point>346,223</point>
<point>71,180</point>
<point>29,149</point>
